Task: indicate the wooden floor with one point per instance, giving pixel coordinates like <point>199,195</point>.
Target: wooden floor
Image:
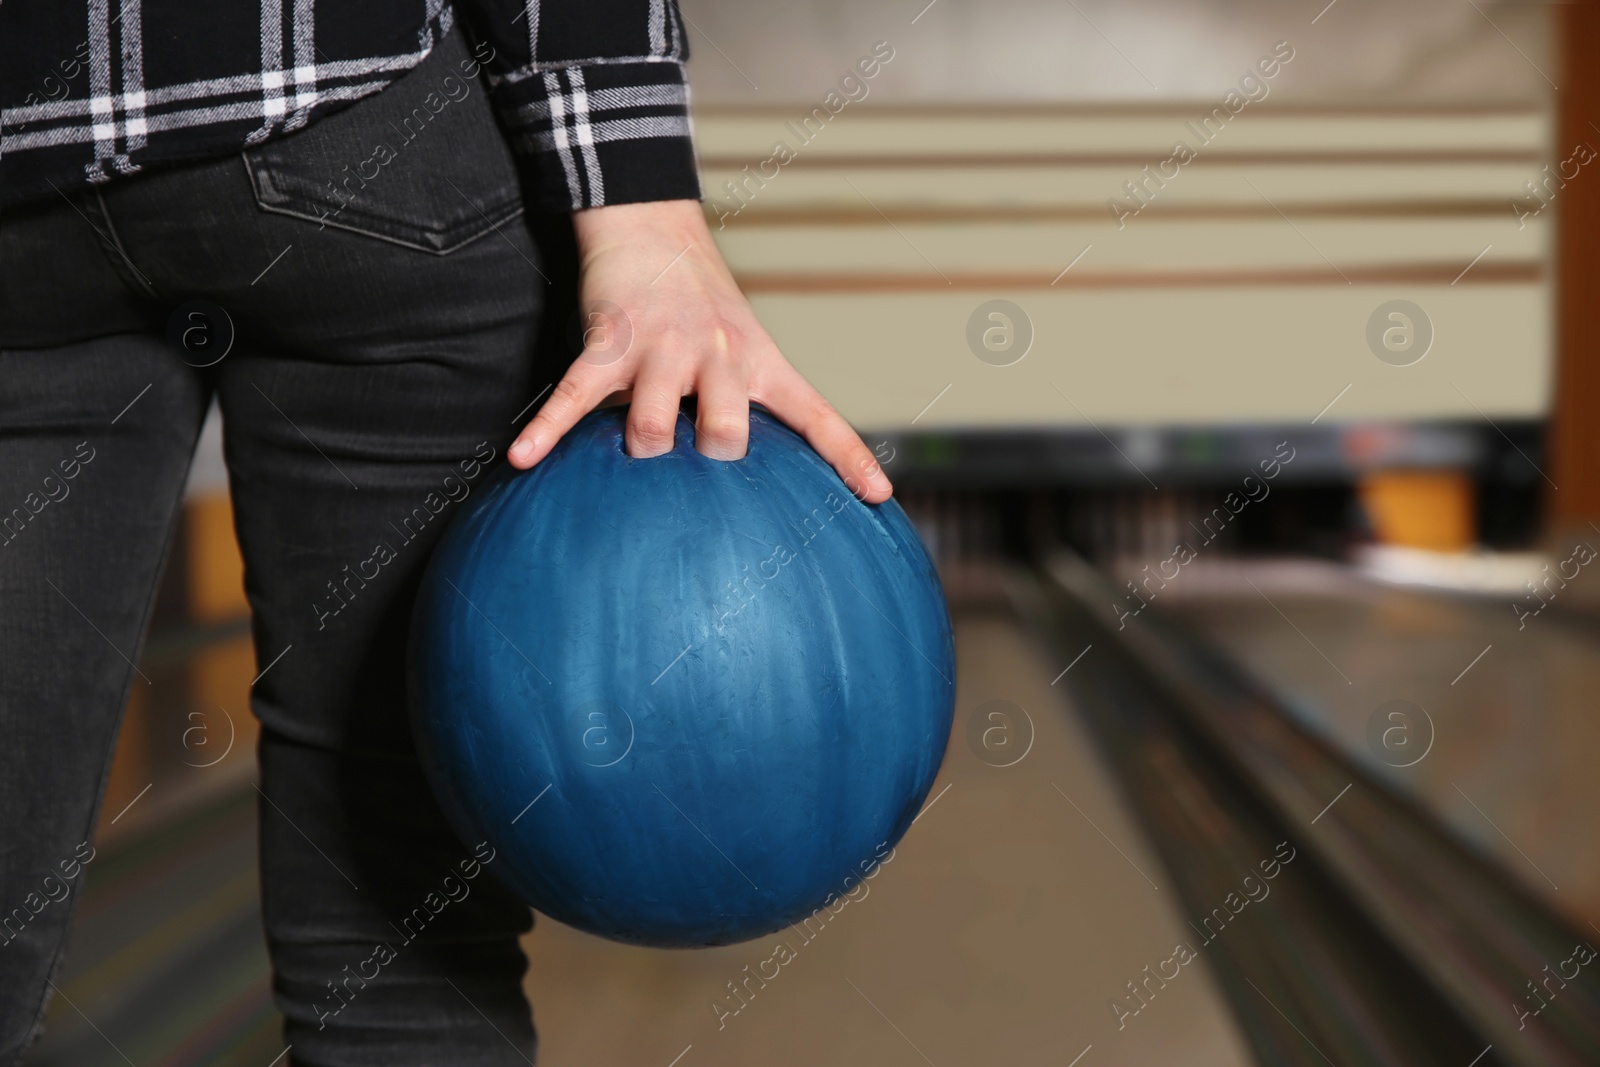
<point>1514,734</point>
<point>167,965</point>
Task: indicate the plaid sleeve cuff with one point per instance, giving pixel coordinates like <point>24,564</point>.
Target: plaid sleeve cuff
<point>604,132</point>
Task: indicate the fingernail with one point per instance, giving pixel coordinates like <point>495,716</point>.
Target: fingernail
<point>521,450</point>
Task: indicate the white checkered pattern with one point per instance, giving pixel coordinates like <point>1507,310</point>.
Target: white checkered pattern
<point>597,106</point>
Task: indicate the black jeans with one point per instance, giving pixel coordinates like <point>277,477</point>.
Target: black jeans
<point>385,320</point>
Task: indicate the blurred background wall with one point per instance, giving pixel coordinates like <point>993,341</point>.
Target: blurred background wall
<point>1161,302</point>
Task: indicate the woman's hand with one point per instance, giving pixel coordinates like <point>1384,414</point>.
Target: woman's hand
<point>664,320</point>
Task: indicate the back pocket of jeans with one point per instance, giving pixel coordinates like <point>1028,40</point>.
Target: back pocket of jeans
<point>420,163</point>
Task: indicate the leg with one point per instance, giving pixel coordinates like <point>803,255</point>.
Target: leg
<point>89,492</point>
<point>345,471</point>
<point>370,387</point>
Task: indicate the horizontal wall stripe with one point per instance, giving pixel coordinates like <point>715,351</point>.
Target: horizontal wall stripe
<point>976,185</point>
<point>1163,109</point>
<point>832,215</point>
<point>864,133</point>
<point>1136,160</point>
<point>1518,273</point>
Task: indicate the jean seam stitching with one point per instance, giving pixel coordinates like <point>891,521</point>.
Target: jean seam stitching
<point>517,209</point>
<point>127,263</point>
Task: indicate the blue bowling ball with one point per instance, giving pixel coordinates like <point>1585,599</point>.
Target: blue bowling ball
<point>687,701</point>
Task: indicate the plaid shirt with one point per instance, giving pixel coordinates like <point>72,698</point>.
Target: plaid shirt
<point>591,93</point>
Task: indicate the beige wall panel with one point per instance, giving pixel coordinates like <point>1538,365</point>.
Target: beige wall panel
<point>857,131</point>
<point>1196,356</point>
<point>1198,183</point>
<point>1146,243</point>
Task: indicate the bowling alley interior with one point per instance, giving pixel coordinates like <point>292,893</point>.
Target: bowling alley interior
<point>1236,364</point>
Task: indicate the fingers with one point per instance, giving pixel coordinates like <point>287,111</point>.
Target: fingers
<point>722,425</point>
<point>574,396</point>
<point>653,415</point>
<point>792,399</point>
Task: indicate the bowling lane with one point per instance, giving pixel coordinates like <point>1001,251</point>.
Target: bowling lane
<point>1017,907</point>
<point>1511,767</point>
<point>166,964</point>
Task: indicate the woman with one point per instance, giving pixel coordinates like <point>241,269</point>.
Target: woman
<point>325,216</point>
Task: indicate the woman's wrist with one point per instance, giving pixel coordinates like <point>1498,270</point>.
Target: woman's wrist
<point>653,220</point>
